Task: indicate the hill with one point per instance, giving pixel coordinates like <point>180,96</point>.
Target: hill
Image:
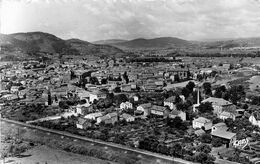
<point>163,42</point>
<point>109,41</point>
<point>33,42</point>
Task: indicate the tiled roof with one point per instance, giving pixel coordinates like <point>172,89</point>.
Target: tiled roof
<point>171,99</point>
<point>147,105</point>
<point>202,120</point>
<point>159,108</point>
<point>223,134</point>
<point>217,101</point>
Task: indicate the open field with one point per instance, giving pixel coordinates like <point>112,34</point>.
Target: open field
<point>51,139</point>
<point>44,154</point>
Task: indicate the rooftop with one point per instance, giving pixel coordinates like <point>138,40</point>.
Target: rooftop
<point>223,134</point>
<point>217,101</point>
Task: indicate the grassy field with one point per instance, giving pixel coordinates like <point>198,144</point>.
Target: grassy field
<point>98,151</point>
<point>43,154</point>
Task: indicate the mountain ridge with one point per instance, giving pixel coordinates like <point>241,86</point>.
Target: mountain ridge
<point>32,42</point>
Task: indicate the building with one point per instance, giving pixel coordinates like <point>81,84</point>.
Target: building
<point>96,95</point>
<point>170,102</point>
<point>182,73</point>
<point>83,123</point>
<point>227,138</point>
<point>126,105</point>
<point>225,115</point>
<point>255,118</point>
<point>220,105</point>
<point>159,111</point>
<point>201,122</point>
<point>93,116</point>
<point>81,109</point>
<point>145,108</point>
<point>110,118</point>
<point>127,117</point>
<point>177,113</point>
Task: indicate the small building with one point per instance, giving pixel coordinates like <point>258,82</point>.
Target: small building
<point>93,116</point>
<point>228,138</point>
<point>201,122</point>
<point>83,123</point>
<point>127,117</point>
<point>110,118</point>
<point>255,118</point>
<point>96,95</point>
<point>159,111</point>
<point>225,115</point>
<point>177,113</point>
<point>126,105</point>
<point>220,105</point>
<point>170,102</point>
<point>81,109</point>
<point>146,108</point>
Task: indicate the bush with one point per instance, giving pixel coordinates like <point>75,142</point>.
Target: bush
<point>216,142</point>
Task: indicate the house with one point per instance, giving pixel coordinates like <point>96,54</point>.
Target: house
<point>146,108</point>
<point>127,117</point>
<point>227,137</point>
<point>199,132</point>
<point>126,105</point>
<point>255,118</point>
<point>110,118</point>
<point>177,113</point>
<point>96,95</point>
<point>170,102</point>
<point>219,126</point>
<point>80,109</point>
<point>10,97</point>
<point>126,88</point>
<point>93,116</point>
<point>220,105</point>
<point>14,89</point>
<point>201,122</point>
<point>83,123</point>
<point>159,111</point>
<point>224,115</point>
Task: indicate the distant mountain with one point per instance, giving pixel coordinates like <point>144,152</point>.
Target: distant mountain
<point>32,42</point>
<point>109,41</point>
<point>84,47</point>
<point>163,42</point>
<point>231,43</point>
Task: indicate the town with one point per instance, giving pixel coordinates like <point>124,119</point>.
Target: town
<point>199,110</point>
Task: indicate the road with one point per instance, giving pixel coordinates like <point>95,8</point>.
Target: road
<point>106,144</point>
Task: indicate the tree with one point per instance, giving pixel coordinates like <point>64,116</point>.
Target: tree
<point>207,88</point>
<point>229,122</point>
<point>176,78</point>
<point>182,106</point>
<point>103,81</point>
<point>205,107</point>
<point>204,148</point>
<point>117,90</point>
<point>216,142</point>
<point>49,98</point>
<point>185,92</point>
<point>205,138</point>
<point>176,123</point>
<point>94,80</point>
<point>125,76</point>
<point>236,93</point>
<point>190,86</point>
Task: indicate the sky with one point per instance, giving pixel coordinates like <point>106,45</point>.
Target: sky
<point>93,20</point>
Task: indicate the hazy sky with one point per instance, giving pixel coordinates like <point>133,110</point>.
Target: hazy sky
<point>128,19</point>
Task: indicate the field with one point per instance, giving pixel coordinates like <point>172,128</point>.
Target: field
<point>44,154</point>
<point>92,151</point>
